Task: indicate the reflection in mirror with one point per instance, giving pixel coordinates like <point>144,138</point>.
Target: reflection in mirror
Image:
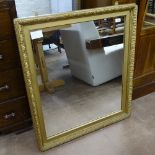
<point>79,71</point>
<point>151,6</point>
<point>149,20</point>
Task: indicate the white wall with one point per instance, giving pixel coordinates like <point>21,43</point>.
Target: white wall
<point>30,7</point>
<point>58,6</point>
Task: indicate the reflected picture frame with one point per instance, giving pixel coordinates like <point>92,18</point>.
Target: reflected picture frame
<point>24,26</point>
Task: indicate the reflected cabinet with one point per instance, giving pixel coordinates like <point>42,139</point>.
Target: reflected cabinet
<point>86,85</point>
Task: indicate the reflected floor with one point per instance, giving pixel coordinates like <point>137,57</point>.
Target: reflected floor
<point>76,103</point>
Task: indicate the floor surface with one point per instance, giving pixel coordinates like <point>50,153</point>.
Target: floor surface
<point>133,136</point>
<point>76,103</point>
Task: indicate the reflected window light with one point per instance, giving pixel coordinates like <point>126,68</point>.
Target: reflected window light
<point>117,20</point>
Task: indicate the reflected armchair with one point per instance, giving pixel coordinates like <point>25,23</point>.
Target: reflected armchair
<point>94,66</point>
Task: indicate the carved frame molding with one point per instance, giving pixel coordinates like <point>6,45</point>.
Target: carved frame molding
<point>23,26</point>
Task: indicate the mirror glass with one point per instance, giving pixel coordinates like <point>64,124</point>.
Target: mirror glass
<point>149,20</point>
<point>79,72</point>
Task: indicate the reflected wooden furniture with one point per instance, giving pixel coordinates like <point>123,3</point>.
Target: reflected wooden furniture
<point>46,84</point>
<point>104,41</point>
<point>14,109</point>
<point>151,4</point>
<point>144,74</point>
<point>52,37</point>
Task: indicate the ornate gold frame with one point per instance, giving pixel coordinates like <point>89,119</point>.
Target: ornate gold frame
<point>23,27</point>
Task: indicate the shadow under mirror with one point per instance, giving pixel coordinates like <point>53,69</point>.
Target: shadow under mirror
<point>79,71</point>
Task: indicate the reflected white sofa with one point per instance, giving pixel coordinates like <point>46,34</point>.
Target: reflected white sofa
<point>95,66</point>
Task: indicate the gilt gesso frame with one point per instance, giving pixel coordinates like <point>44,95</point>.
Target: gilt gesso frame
<point>23,28</point>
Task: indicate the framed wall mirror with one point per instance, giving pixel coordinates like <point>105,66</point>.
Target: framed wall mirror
<point>78,69</point>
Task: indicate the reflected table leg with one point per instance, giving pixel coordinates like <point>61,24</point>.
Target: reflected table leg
<point>46,85</point>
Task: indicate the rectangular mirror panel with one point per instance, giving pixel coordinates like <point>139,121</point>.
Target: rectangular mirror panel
<point>78,68</point>
<point>82,72</point>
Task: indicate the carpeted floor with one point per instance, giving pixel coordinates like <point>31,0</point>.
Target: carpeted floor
<point>133,136</point>
<point>76,102</point>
